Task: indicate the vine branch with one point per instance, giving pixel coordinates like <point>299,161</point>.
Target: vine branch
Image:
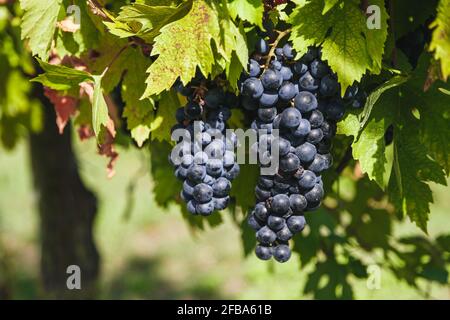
<point>281,35</point>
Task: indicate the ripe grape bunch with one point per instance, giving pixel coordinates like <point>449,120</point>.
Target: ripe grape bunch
<point>300,98</point>
<point>207,160</point>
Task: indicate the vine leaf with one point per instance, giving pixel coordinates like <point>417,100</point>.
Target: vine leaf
<point>368,129</point>
<point>198,41</point>
<point>248,10</point>
<point>61,78</point>
<point>329,4</point>
<point>145,21</point>
<point>164,119</point>
<point>183,46</point>
<point>100,115</point>
<point>420,146</point>
<point>139,113</point>
<point>349,46</point>
<point>376,94</point>
<point>39,24</point>
<point>440,42</point>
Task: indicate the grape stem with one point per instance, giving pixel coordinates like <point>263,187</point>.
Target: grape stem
<point>281,35</point>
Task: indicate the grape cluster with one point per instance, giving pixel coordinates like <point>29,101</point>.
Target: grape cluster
<point>206,154</point>
<point>300,98</point>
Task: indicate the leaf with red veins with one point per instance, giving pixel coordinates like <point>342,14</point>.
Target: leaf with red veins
<point>65,107</point>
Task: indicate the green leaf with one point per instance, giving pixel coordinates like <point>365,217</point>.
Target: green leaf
<point>329,4</point>
<point>368,130</point>
<point>86,38</point>
<point>165,116</point>
<point>139,113</point>
<point>369,148</point>
<point>440,42</point>
<point>145,21</point>
<point>198,40</point>
<point>183,46</point>
<point>421,125</point>
<point>411,194</point>
<point>248,10</point>
<point>433,107</point>
<point>39,24</point>
<point>100,116</point>
<point>109,50</point>
<point>375,95</point>
<point>60,77</point>
<point>349,46</point>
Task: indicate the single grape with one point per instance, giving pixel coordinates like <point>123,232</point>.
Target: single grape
<point>263,252</point>
<point>268,99</point>
<point>282,253</point>
<point>287,91</point>
<point>203,193</point>
<point>284,234</point>
<point>221,203</point>
<point>308,82</point>
<point>305,101</point>
<point>289,163</point>
<point>307,180</point>
<point>267,114</point>
<point>253,88</point>
<point>286,73</point>
<point>280,204</point>
<point>296,223</point>
<point>306,152</point>
<point>288,52</point>
<point>205,209</point>
<point>221,187</point>
<point>266,236</point>
<point>254,68</point>
<point>297,202</point>
<point>271,79</point>
<point>315,136</point>
<point>290,118</point>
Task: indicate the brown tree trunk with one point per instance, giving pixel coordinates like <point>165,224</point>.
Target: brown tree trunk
<point>67,210</point>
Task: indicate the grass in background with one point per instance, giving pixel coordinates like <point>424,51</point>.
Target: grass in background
<point>150,253</point>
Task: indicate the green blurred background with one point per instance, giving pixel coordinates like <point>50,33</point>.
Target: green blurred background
<point>151,253</point>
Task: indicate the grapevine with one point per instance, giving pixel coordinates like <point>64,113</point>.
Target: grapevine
<point>344,105</point>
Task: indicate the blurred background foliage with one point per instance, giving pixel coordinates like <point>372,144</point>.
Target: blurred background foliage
<point>149,251</point>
